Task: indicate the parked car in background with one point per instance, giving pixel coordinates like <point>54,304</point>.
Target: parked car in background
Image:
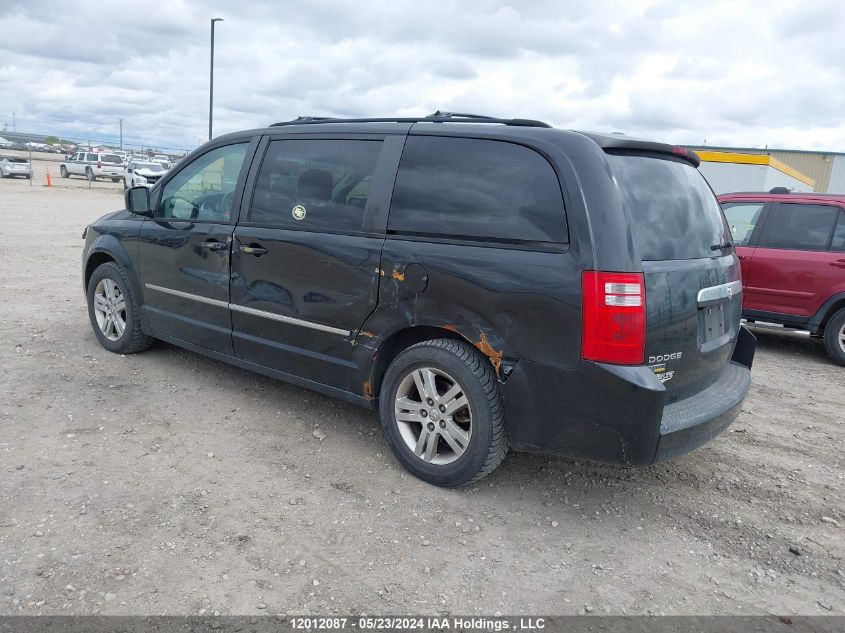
<point>792,249</point>
<point>93,165</point>
<point>15,166</point>
<point>163,160</point>
<point>5,143</point>
<point>142,174</point>
<point>482,283</point>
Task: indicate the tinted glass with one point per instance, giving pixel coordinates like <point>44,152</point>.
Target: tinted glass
<point>476,189</point>
<point>838,243</point>
<point>802,227</point>
<point>673,212</point>
<point>112,158</point>
<point>205,188</point>
<point>742,218</point>
<point>315,185</point>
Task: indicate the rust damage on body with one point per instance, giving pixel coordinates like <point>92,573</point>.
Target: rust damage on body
<point>398,276</point>
<point>483,345</point>
<point>485,348</point>
<point>368,390</point>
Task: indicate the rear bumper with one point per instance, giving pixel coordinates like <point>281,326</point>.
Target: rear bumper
<point>618,414</point>
<point>689,423</point>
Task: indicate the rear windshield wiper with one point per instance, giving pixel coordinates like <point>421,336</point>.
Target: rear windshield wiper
<point>721,247</point>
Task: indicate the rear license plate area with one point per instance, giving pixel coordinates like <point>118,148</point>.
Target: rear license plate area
<point>712,322</point>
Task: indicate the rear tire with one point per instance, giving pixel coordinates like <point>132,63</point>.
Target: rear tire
<point>113,311</point>
<point>452,432</point>
<point>834,337</point>
<point>63,172</point>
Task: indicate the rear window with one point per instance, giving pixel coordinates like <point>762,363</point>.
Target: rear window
<point>112,158</point>
<point>478,190</point>
<point>673,212</point>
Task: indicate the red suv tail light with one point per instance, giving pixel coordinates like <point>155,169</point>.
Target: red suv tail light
<point>613,328</point>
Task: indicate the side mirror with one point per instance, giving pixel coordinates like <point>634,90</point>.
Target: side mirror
<point>138,201</point>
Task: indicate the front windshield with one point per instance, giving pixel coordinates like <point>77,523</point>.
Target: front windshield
<point>150,166</point>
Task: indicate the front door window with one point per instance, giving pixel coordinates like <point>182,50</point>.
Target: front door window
<point>205,189</point>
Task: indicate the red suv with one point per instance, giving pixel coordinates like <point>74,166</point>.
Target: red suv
<point>792,250</point>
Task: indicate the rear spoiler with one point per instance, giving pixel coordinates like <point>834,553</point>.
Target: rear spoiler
<point>613,141</point>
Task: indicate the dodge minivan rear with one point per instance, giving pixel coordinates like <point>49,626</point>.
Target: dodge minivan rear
<point>484,284</point>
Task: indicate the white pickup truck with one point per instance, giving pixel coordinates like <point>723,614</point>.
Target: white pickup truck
<point>93,165</point>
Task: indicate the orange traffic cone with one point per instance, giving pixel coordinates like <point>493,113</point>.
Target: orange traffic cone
<point>49,183</point>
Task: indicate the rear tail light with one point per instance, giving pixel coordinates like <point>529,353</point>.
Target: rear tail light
<point>613,328</point>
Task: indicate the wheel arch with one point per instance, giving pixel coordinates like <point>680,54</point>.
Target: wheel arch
<point>374,354</point>
<point>107,248</point>
<point>381,352</point>
<point>95,260</point>
<point>828,309</point>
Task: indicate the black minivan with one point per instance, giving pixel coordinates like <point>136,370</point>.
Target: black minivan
<point>484,283</point>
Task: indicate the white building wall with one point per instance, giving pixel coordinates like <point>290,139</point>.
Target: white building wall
<point>776,178</point>
<point>837,175</point>
<point>729,177</point>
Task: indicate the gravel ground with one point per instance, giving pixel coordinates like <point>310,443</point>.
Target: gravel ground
<point>166,483</point>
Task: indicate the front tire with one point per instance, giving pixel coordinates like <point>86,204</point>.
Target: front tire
<point>834,337</point>
<point>89,174</point>
<point>63,172</point>
<point>113,311</point>
<point>442,414</point>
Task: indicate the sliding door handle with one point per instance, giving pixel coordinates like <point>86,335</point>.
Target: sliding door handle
<point>214,245</point>
<point>254,249</point>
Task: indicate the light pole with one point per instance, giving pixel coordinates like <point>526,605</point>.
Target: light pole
<point>211,77</point>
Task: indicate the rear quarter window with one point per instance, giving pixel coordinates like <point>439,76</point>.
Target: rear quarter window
<point>672,210</point>
<point>478,190</point>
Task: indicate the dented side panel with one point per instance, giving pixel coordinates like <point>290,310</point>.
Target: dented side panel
<point>509,303</point>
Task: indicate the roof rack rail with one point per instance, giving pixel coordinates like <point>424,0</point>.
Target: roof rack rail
<point>437,117</point>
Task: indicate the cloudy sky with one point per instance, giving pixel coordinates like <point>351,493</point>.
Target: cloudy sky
<point>750,73</point>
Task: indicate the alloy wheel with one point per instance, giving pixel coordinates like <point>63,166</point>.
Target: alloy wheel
<point>433,415</point>
<point>110,309</point>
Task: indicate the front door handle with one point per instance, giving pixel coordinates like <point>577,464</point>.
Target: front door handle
<point>839,263</point>
<point>254,249</point>
<point>214,245</point>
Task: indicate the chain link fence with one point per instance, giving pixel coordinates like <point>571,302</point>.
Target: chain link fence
<point>49,158</point>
